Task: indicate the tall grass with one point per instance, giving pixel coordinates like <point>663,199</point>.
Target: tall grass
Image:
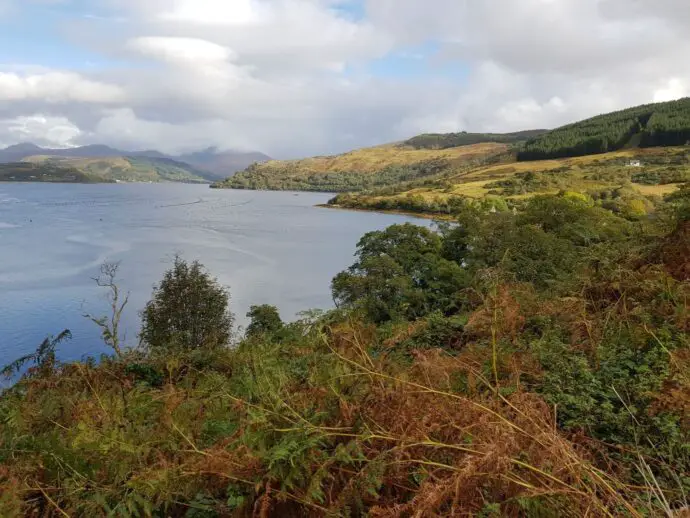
<point>314,427</point>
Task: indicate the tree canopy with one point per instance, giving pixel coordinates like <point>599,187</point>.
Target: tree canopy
<point>651,125</point>
<point>188,310</point>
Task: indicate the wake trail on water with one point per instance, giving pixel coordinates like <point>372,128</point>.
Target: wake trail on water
<point>197,202</point>
<point>201,200</point>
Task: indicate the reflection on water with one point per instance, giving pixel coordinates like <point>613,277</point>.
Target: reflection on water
<point>269,247</point>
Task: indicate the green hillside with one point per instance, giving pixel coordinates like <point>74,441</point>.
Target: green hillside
<point>650,125</point>
<point>47,172</point>
<point>430,158</point>
<point>627,182</point>
<point>449,140</point>
<point>127,169</point>
<point>361,169</point>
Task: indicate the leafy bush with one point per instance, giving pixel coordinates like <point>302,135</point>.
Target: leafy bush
<point>265,320</point>
<point>400,274</point>
<point>188,310</point>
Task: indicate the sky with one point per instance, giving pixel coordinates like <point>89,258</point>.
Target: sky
<point>295,78</point>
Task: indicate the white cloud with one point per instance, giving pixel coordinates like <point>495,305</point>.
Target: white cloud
<point>675,88</point>
<point>181,50</point>
<point>57,87</point>
<point>274,37</point>
<point>213,12</point>
<point>298,77</point>
<point>40,129</point>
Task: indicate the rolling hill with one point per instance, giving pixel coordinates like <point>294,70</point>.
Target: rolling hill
<point>211,164</point>
<point>362,169</point>
<point>440,159</point>
<point>126,169</point>
<point>46,173</point>
<point>629,182</point>
<point>624,160</point>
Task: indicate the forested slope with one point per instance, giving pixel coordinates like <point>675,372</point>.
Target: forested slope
<point>661,124</point>
<point>449,140</point>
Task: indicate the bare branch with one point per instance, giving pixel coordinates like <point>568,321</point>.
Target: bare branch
<point>110,325</point>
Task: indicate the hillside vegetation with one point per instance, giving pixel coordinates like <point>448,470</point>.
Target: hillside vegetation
<point>661,124</point>
<point>439,159</point>
<point>532,364</point>
<point>449,140</point>
<point>613,180</point>
<point>45,172</point>
<point>361,169</point>
<point>126,169</point>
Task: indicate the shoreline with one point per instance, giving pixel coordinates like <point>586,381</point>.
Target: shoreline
<point>418,215</point>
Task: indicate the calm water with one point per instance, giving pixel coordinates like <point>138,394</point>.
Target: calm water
<point>268,247</point>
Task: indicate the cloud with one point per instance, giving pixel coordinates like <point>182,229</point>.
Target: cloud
<point>302,77</point>
<point>57,87</point>
<point>179,50</point>
<point>674,89</point>
<point>213,12</point>
<point>48,131</point>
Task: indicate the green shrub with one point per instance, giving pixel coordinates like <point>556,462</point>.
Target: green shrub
<point>188,310</point>
<point>264,320</point>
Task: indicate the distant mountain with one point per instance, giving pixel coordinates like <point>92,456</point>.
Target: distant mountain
<point>222,164</point>
<point>124,168</point>
<point>18,152</point>
<point>211,164</point>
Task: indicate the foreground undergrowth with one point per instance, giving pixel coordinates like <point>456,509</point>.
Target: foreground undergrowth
<point>535,364</point>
